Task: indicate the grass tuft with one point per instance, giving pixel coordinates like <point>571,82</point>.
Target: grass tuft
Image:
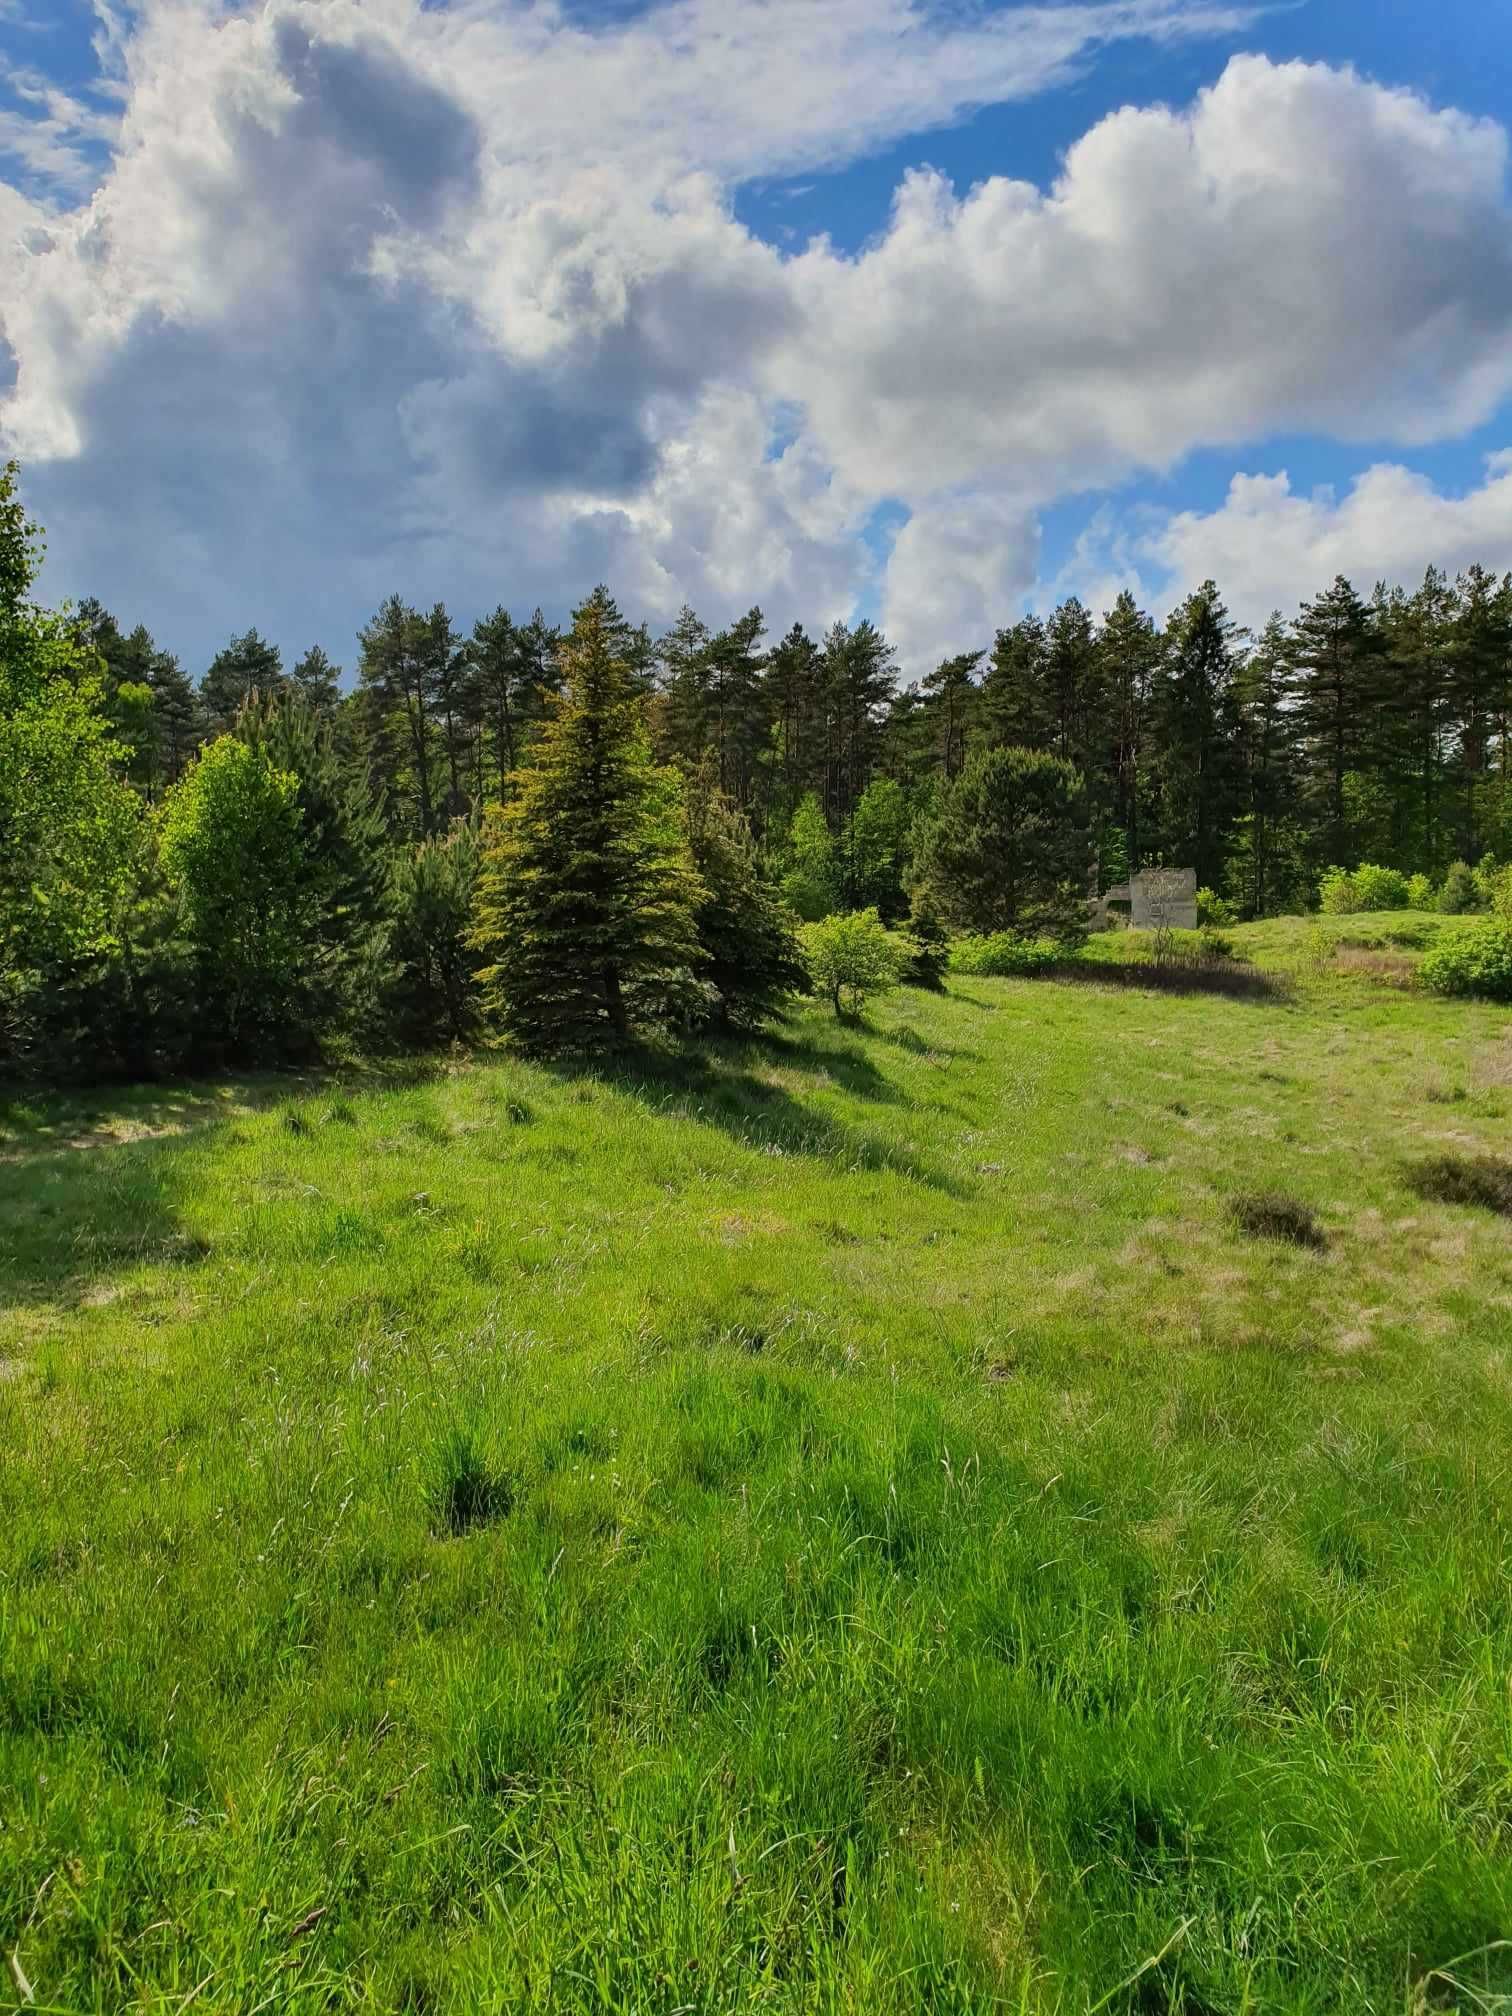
<point>1271,1214</point>
<point>465,1491</point>
<point>1484,1181</point>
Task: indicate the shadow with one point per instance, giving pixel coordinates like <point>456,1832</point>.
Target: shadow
<point>715,1085</point>
<point>1232,982</point>
<point>74,1216</point>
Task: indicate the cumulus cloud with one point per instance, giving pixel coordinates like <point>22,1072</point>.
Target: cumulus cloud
<point>1266,544</point>
<point>372,294</point>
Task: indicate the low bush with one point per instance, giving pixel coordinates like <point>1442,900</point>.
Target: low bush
<point>1484,1181</point>
<point>1271,1214</point>
<point>1477,961</point>
<point>1420,893</point>
<point>1004,955</point>
<point>1215,910</point>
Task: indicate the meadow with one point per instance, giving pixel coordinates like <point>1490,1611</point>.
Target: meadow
<point>861,1520</point>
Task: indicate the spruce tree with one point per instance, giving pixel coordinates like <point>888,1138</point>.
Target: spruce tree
<point>342,890</point>
<point>1009,850</point>
<point>584,913</point>
<point>751,956</point>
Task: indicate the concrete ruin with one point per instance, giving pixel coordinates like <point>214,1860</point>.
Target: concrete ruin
<point>1150,900</point>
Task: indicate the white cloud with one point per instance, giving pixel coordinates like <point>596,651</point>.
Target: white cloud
<point>1266,546</point>
<point>956,573</point>
<point>1299,250</point>
<point>453,299</point>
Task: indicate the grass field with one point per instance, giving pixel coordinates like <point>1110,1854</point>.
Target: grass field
<point>843,1523</point>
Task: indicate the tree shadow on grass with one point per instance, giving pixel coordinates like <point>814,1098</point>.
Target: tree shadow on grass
<point>75,1216</point>
<point>718,1084</point>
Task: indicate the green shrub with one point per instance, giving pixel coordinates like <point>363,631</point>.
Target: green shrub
<point>1005,955</point>
<point>853,955</point>
<point>1474,961</point>
<point>1214,909</point>
<point>1487,877</point>
<point>1420,893</point>
<point>1342,892</point>
<point>1459,893</point>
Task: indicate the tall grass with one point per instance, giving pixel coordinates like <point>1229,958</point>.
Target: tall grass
<point>843,1523</point>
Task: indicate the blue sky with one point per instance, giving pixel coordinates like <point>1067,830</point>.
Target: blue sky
<point>488,302</point>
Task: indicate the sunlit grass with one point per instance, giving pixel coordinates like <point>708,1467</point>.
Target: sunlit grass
<point>844,1523</point>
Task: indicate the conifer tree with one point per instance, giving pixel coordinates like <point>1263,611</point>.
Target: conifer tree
<point>317,680</point>
<point>1015,706</point>
<point>342,887</point>
<point>1009,850</point>
<point>952,689</point>
<point>1335,649</point>
<point>584,913</point>
<point>248,664</point>
<point>1129,649</point>
<point>396,701</point>
<point>1266,868</point>
<point>751,957</point>
<point>1199,723</point>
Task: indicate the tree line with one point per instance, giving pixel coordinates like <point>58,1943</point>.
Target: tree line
<point>725,784</point>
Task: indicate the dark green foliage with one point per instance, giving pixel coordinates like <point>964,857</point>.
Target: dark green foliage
<point>343,895</point>
<point>1483,1181</point>
<point>1009,850</point>
<point>1271,1214</point>
<point>1197,716</point>
<point>317,681</point>
<point>752,961</point>
<point>584,914</point>
<point>464,1491</point>
<point>248,664</point>
<point>929,959</point>
<point>1459,893</point>
<point>433,965</point>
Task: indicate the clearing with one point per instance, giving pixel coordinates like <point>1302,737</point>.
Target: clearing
<point>849,1522</point>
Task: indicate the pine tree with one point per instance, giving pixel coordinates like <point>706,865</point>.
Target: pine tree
<point>684,712</point>
<point>1015,705</point>
<point>1129,649</point>
<point>1482,683</point>
<point>751,957</point>
<point>317,681</point>
<point>858,678</point>
<point>1199,729</point>
<point>793,700</point>
<point>736,700</point>
<point>396,702</point>
<point>343,884</point>
<point>584,915</point>
<point>1335,650</point>
<point>951,688</point>
<point>248,664</point>
<point>177,722</point>
<point>1009,850</point>
<point>1267,871</point>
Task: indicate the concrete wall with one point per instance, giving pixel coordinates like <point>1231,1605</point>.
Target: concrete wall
<point>1163,896</point>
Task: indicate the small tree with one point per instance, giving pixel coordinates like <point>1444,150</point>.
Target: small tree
<point>811,881</point>
<point>751,958</point>
<point>433,987</point>
<point>1009,850</point>
<point>231,850</point>
<point>853,956</point>
<point>584,907</point>
<point>343,894</point>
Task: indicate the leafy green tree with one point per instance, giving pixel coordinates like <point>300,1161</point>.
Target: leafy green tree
<point>248,664</point>
<point>433,993</point>
<point>70,830</point>
<point>811,867</point>
<point>1010,848</point>
<point>875,850</point>
<point>584,913</point>
<point>852,956</point>
<point>752,960</point>
<point>230,847</point>
<point>342,893</point>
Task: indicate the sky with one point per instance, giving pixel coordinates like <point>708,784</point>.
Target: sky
<point>932,311</point>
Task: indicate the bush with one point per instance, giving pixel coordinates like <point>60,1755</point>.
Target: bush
<point>1459,893</point>
<point>1474,961</point>
<point>929,957</point>
<point>432,994</point>
<point>853,956</point>
<point>1420,893</point>
<point>1214,910</point>
<point>1487,877</point>
<point>1342,892</point>
<point>1003,955</point>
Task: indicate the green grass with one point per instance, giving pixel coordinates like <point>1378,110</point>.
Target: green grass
<point>845,1523</point>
